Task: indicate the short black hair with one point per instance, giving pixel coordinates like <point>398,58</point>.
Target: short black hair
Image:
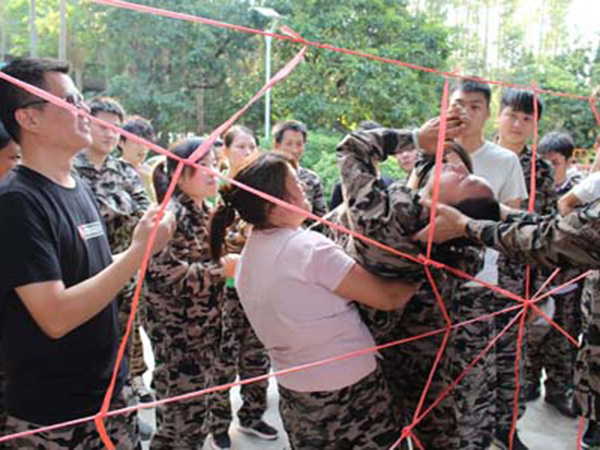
<point>521,100</point>
<point>4,137</point>
<point>557,142</point>
<point>106,105</point>
<point>12,97</point>
<point>469,85</point>
<point>140,127</point>
<point>288,125</point>
<point>365,125</point>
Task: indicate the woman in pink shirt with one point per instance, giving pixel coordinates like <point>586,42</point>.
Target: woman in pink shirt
<point>298,290</point>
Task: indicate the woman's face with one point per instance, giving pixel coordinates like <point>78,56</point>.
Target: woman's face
<point>457,184</point>
<point>242,147</point>
<point>200,184</point>
<point>283,217</point>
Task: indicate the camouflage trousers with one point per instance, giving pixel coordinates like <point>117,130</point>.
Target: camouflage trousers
<point>181,370</point>
<point>506,352</point>
<point>587,367</point>
<point>413,362</point>
<point>357,417</point>
<point>475,394</point>
<point>122,430</point>
<point>135,350</point>
<point>243,355</point>
<point>549,349</point>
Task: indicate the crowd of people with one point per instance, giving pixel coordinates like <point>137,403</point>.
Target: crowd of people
<point>238,285</point>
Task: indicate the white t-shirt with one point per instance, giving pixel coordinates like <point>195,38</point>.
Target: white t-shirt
<point>502,169</point>
<point>589,189</point>
<point>285,280</point>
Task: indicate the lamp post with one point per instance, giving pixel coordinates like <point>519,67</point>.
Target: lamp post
<point>274,16</point>
<point>62,38</point>
<point>32,29</point>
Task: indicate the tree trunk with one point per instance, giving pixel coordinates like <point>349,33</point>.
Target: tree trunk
<point>200,124</point>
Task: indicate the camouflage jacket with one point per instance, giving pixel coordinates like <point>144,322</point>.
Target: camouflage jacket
<point>545,189</point>
<point>567,274</point>
<point>120,194</point>
<point>390,215</point>
<point>512,274</point>
<point>184,287</point>
<point>314,191</point>
<point>551,241</point>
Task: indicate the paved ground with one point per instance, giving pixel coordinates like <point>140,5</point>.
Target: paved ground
<point>542,428</point>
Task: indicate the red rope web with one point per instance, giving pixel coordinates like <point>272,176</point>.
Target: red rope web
<point>521,307</point>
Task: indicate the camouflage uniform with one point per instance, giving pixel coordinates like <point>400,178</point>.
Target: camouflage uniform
<point>474,396</point>
<point>121,428</point>
<point>364,422</point>
<point>568,242</point>
<point>184,298</point>
<point>554,352</point>
<point>241,352</point>
<point>512,277</point>
<point>391,216</point>
<point>123,200</point>
<point>314,191</point>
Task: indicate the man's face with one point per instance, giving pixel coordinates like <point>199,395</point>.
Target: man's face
<point>104,140</point>
<point>558,161</point>
<point>133,152</point>
<point>57,126</point>
<point>477,109</point>
<point>292,143</point>
<point>9,158</point>
<point>515,127</point>
<point>406,160</point>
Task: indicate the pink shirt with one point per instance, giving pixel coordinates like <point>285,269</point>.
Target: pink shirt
<point>285,280</point>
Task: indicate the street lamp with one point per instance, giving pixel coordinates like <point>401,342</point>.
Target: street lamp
<point>274,16</point>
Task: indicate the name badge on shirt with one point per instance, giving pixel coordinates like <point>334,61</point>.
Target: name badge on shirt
<point>92,230</point>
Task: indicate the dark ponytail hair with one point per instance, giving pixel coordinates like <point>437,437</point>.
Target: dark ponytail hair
<point>266,172</point>
<point>163,171</point>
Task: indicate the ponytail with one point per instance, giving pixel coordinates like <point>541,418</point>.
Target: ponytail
<point>160,180</point>
<point>222,219</point>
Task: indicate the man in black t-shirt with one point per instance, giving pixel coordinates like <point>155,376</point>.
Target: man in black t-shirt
<point>58,280</point>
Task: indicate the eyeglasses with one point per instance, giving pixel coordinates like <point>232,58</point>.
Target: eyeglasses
<point>75,99</point>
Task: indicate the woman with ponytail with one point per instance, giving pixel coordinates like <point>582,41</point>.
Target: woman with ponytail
<point>298,290</point>
<point>184,302</point>
<point>242,354</point>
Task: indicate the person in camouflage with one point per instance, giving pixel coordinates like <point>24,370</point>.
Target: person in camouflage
<point>241,352</point>
<point>123,199</point>
<point>184,299</point>
<point>516,124</point>
<point>390,216</point>
<point>551,241</point>
<point>290,137</point>
<point>555,353</point>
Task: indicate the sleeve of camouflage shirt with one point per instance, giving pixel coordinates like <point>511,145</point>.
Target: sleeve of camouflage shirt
<point>387,215</point>
<point>552,241</point>
<point>319,204</point>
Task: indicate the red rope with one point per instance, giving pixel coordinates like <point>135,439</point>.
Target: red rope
<point>439,157</point>
<point>421,259</point>
<point>200,152</point>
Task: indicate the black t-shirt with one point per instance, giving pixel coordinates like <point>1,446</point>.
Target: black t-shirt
<point>48,232</point>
